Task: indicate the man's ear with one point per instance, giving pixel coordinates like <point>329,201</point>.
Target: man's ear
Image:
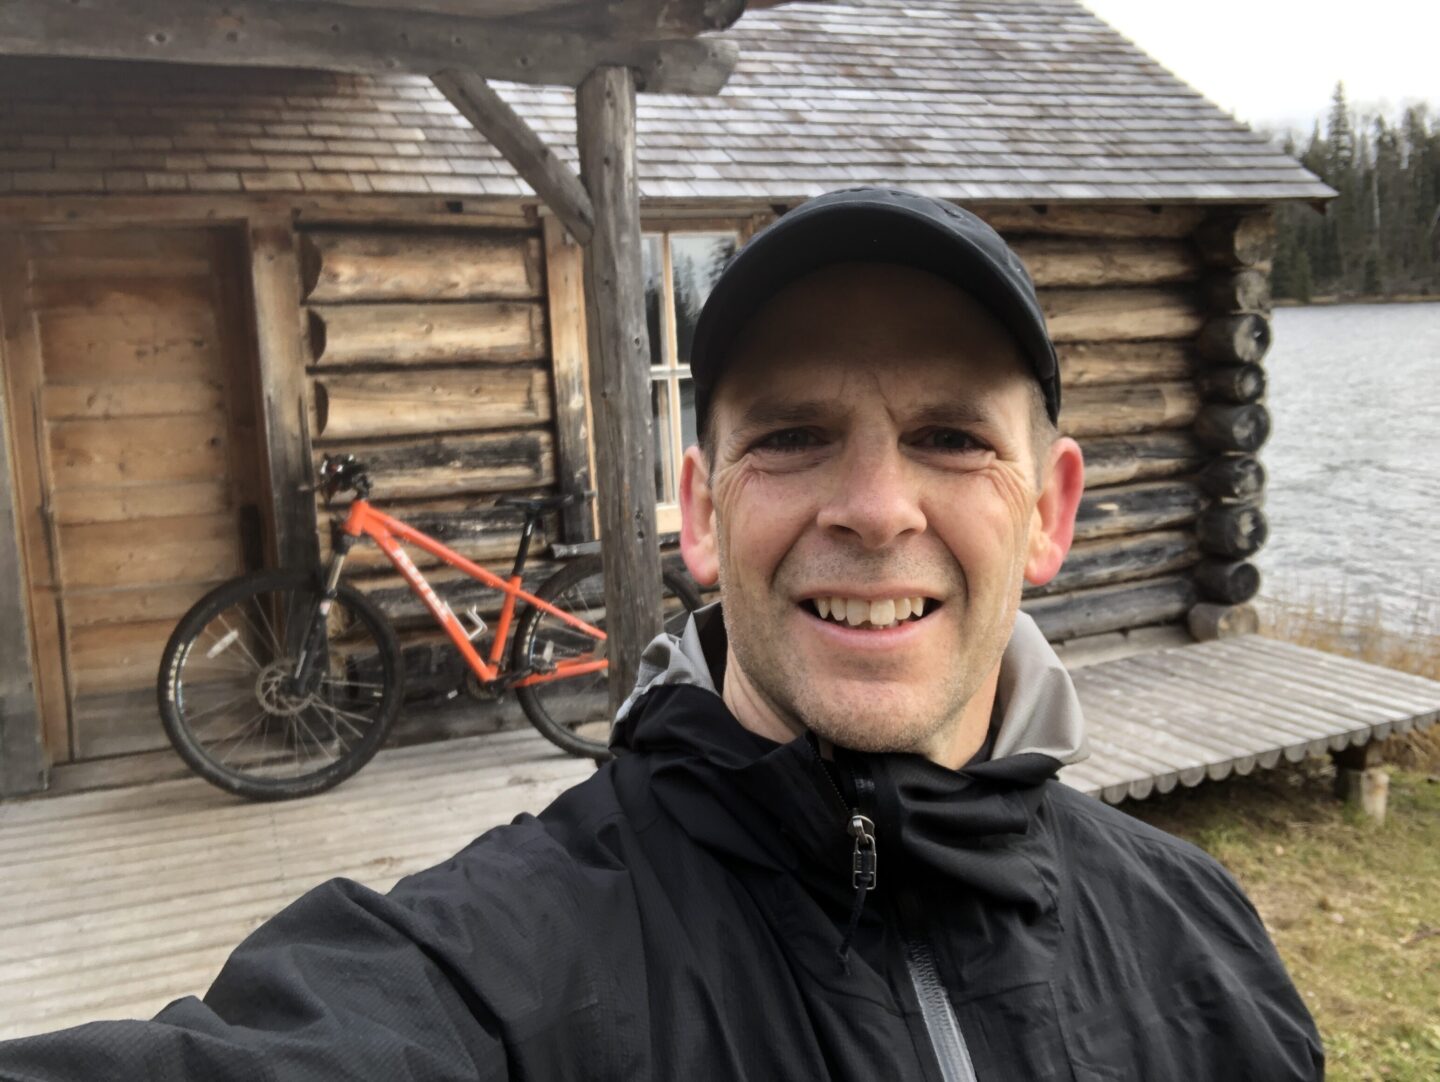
<point>1053,528</point>
<point>697,520</point>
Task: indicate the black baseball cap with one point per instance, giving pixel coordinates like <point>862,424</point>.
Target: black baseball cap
<point>872,225</point>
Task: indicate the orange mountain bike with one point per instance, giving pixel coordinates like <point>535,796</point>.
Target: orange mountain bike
<point>282,683</point>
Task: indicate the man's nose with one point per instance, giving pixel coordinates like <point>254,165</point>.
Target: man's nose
<point>874,497</point>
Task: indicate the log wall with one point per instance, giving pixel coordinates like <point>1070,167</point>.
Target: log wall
<point>1161,321</point>
<point>430,361</point>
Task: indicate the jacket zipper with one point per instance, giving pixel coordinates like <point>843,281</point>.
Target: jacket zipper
<point>936,1012</point>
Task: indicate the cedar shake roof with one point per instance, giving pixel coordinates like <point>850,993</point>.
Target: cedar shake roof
<point>1032,100</point>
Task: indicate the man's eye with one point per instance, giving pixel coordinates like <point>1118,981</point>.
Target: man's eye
<point>787,439</point>
<point>950,439</point>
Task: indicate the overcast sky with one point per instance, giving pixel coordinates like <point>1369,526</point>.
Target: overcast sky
<point>1275,63</point>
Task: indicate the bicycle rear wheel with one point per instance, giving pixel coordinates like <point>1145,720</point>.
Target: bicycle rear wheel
<point>574,712</point>
<point>229,704</point>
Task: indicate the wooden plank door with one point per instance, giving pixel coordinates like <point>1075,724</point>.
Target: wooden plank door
<point>132,377</point>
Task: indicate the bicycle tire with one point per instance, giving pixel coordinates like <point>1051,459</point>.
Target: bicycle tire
<point>248,663</point>
<point>574,713</point>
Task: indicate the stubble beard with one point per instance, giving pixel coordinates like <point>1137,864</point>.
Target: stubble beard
<point>865,723</point>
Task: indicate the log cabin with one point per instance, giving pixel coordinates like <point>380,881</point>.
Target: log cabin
<point>212,275</point>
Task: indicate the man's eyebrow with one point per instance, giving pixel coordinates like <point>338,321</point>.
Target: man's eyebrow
<point>953,413</point>
<point>764,413</point>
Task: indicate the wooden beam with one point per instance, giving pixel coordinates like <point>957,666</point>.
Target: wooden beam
<point>336,37</point>
<point>631,18</point>
<point>565,268</point>
<point>281,356</point>
<point>491,115</point>
<point>619,371</point>
<point>23,768</point>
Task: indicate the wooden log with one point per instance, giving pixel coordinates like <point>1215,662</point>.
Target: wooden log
<point>565,275</point>
<point>483,533</point>
<point>1123,559</point>
<point>1241,291</point>
<point>1084,364</point>
<point>427,334</point>
<point>1229,240</point>
<point>1233,530</point>
<point>619,370</point>
<point>280,351</point>
<point>1233,477</point>
<point>1115,409</point>
<point>1111,608</point>
<point>538,165</point>
<point>1242,339</point>
<point>23,765</point>
<point>1076,261</point>
<point>1143,507</point>
<point>1082,221</point>
<point>1210,621</point>
<point>1113,460</point>
<point>359,405</point>
<point>1230,581</point>
<point>456,465</point>
<point>398,602</point>
<point>330,37</point>
<point>350,267</point>
<point>1083,315</point>
<point>1237,383</point>
<point>1233,428</point>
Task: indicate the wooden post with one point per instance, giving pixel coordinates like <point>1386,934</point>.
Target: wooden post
<point>23,768</point>
<point>275,285</point>
<point>575,452</point>
<point>619,371</point>
<point>1359,779</point>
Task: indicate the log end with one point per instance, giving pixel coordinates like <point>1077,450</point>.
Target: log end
<point>1210,621</point>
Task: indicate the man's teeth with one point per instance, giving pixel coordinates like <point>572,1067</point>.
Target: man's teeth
<point>878,614</point>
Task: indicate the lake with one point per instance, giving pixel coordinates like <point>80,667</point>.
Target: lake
<point>1353,498</point>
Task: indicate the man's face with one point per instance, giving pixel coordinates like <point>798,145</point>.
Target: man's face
<point>872,450</point>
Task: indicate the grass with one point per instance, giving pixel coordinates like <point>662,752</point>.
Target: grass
<point>1353,906</point>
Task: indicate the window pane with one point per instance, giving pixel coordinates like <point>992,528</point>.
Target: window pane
<point>688,437</point>
<point>697,260</point>
<point>653,270</point>
<point>663,427</point>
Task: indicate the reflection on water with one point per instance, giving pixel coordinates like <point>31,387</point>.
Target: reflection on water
<point>1354,462</point>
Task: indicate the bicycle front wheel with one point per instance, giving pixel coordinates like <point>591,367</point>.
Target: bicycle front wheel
<point>233,709</point>
<point>574,712</point>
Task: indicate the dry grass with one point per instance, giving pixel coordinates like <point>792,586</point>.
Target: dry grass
<point>1353,906</point>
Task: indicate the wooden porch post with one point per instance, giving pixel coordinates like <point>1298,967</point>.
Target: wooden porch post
<point>23,768</point>
<point>619,371</point>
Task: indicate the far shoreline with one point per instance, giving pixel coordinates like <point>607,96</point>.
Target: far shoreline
<point>1335,300</point>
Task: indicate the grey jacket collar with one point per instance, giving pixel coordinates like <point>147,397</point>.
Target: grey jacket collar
<point>1039,710</point>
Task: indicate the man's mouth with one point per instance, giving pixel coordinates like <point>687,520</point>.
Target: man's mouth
<point>873,615</point>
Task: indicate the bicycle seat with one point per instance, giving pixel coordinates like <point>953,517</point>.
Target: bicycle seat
<point>539,504</point>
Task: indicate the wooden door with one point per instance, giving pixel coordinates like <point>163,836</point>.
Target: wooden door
<point>130,374</point>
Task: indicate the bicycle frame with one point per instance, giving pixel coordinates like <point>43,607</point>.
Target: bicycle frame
<point>364,520</point>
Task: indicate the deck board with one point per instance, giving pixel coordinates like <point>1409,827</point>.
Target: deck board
<point>118,901</point>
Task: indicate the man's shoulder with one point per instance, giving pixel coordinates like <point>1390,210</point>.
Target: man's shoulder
<point>1104,844</point>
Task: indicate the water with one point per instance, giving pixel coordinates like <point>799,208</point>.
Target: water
<point>1353,498</point>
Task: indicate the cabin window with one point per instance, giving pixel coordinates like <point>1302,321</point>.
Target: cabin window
<point>680,267</point>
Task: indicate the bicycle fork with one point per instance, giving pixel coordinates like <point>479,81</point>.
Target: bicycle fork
<point>312,645</point>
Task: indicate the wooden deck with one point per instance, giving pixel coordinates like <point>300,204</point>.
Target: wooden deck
<point>115,902</point>
<point>1182,715</point>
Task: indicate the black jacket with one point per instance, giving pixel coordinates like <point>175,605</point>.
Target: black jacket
<point>691,912</point>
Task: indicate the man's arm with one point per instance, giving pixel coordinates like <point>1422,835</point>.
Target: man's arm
<point>487,965</point>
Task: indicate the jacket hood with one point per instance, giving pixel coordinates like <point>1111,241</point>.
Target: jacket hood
<point>782,807</point>
<point>1038,709</point>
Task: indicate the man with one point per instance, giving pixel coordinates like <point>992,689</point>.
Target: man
<point>832,845</point>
